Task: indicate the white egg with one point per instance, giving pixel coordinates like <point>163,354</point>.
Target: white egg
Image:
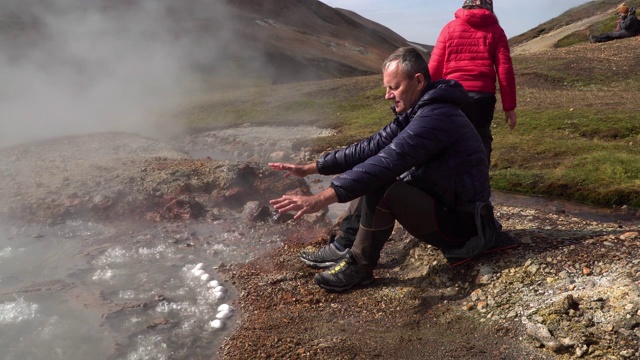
<point>214,283</point>
<point>198,266</point>
<point>225,307</point>
<point>219,289</point>
<point>205,277</point>
<point>218,295</point>
<point>198,272</point>
<point>224,314</point>
<point>217,324</point>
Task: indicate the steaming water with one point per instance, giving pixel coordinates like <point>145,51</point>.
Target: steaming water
<point>86,291</point>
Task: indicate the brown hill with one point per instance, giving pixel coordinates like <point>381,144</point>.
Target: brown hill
<point>310,40</point>
<point>280,40</point>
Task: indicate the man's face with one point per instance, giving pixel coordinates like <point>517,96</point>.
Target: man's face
<point>402,90</point>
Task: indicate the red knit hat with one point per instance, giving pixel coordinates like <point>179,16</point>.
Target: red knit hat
<point>474,4</point>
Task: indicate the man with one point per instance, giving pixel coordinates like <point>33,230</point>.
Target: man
<point>628,26</point>
<point>427,169</point>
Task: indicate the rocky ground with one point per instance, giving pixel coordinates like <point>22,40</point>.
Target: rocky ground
<point>570,290</point>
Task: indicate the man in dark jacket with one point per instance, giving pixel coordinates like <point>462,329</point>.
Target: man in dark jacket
<point>628,26</point>
<point>426,169</point>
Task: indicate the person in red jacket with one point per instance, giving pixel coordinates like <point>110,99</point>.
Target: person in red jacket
<point>473,49</point>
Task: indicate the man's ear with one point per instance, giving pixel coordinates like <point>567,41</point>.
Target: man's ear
<point>421,81</point>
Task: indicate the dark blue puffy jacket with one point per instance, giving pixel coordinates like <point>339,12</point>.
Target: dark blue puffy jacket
<point>433,147</point>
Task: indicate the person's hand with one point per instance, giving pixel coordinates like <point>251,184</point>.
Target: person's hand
<point>304,204</point>
<point>510,118</point>
<point>295,170</point>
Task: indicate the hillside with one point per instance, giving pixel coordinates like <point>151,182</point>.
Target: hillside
<point>276,40</point>
<point>582,19</point>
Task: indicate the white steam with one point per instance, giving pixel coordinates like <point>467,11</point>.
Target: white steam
<point>75,67</point>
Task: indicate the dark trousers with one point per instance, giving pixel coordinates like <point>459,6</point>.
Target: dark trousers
<point>614,35</point>
<point>480,112</point>
<point>349,224</point>
<point>414,209</point>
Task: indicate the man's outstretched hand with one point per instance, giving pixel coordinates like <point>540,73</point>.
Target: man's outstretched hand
<point>304,204</point>
<point>295,170</point>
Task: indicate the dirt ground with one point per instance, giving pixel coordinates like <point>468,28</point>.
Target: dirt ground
<point>570,290</point>
<point>518,304</point>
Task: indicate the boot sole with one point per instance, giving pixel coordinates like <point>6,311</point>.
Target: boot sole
<point>317,265</point>
<point>343,288</point>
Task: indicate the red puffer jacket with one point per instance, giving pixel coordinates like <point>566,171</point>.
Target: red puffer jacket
<point>473,49</point>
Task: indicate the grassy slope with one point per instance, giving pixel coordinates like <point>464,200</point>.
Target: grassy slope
<point>571,16</point>
<point>579,132</point>
<point>578,135</point>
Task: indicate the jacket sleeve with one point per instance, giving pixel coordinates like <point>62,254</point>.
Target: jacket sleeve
<point>505,72</point>
<point>437,58</point>
<point>341,160</point>
<point>630,24</point>
<point>423,137</point>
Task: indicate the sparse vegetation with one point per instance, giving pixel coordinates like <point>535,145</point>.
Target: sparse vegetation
<point>573,38</point>
<point>569,17</point>
<point>578,135</point>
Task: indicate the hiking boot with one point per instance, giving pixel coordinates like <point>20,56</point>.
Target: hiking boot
<point>343,276</point>
<point>326,256</point>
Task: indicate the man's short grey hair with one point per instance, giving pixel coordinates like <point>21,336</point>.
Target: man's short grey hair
<point>410,60</point>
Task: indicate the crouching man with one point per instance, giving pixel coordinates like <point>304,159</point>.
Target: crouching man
<point>427,169</point>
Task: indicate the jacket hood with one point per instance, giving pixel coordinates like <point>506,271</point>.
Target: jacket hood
<point>477,18</point>
<point>443,91</point>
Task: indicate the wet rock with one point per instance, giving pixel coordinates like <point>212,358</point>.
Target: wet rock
<point>157,322</point>
<point>253,212</point>
<point>184,207</point>
<point>278,218</point>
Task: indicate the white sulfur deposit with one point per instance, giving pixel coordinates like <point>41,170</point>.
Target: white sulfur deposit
<point>224,314</point>
<point>198,272</point>
<point>217,324</point>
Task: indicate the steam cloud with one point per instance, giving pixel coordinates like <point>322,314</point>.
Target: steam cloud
<point>82,66</point>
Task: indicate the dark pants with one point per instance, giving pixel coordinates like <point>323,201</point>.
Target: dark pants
<point>614,35</point>
<point>415,210</point>
<point>349,224</point>
<point>480,112</point>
